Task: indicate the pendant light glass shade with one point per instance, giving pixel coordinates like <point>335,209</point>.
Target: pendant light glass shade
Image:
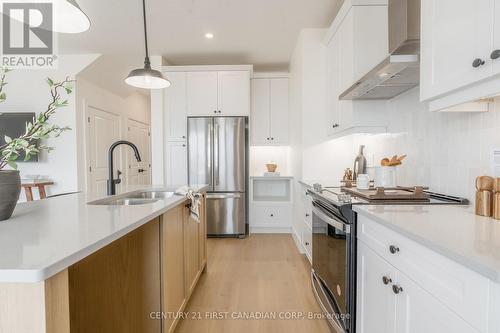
<point>69,18</point>
<point>146,78</point>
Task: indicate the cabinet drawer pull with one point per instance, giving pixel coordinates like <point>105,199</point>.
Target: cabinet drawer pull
<point>478,62</point>
<point>307,215</point>
<point>393,249</point>
<point>495,55</point>
<point>335,125</point>
<point>307,243</point>
<point>386,280</point>
<point>397,289</point>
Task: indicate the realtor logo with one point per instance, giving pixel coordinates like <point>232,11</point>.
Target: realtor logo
<point>27,35</point>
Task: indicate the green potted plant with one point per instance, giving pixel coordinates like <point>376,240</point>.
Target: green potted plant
<point>28,143</point>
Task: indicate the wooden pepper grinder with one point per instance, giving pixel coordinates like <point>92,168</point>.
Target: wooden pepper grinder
<point>484,196</point>
<point>496,199</point>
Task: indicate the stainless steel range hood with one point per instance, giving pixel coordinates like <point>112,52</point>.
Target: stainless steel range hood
<point>400,71</point>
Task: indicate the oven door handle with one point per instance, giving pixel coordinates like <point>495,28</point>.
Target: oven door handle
<point>331,221</point>
<point>332,318</point>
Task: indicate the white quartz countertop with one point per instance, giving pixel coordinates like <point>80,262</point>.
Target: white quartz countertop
<point>324,182</point>
<point>45,237</point>
<point>452,231</point>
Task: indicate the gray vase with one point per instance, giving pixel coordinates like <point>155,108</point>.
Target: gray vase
<point>10,188</point>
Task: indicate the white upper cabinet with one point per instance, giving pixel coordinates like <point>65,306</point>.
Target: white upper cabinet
<point>456,44</point>
<point>279,111</point>
<point>175,101</point>
<point>223,93</point>
<point>460,54</point>
<point>270,120</point>
<point>356,42</point>
<point>495,54</point>
<point>260,124</point>
<point>202,93</point>
<point>234,93</point>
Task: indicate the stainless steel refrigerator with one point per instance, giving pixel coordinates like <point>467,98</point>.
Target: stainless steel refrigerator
<point>217,155</point>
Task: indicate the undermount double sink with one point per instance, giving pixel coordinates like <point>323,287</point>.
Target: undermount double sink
<point>134,198</point>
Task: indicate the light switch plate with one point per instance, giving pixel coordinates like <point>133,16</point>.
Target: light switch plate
<point>495,162</point>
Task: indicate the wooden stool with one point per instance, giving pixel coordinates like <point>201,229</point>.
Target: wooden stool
<point>28,189</point>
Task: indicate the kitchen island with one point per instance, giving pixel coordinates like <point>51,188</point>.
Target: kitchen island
<point>67,265</point>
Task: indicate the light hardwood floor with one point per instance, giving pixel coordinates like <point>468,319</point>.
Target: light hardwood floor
<point>257,275</point>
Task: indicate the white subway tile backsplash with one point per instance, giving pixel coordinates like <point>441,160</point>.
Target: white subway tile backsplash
<point>446,151</point>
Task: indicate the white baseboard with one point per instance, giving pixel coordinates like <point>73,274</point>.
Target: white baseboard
<point>298,241</point>
<point>270,230</point>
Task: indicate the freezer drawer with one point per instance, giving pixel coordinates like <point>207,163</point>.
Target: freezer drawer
<point>226,214</point>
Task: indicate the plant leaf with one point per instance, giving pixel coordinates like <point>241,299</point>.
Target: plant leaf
<point>50,81</point>
<point>7,139</point>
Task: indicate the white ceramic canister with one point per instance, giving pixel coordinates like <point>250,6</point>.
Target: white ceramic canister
<point>385,176</point>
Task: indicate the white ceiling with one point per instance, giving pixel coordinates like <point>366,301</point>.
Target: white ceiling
<point>258,32</point>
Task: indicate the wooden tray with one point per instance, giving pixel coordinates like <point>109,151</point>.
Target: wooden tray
<point>398,193</point>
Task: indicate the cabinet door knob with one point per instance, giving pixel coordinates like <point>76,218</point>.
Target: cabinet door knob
<point>393,249</point>
<point>268,139</point>
<point>478,62</point>
<point>386,280</point>
<point>307,215</point>
<point>307,243</point>
<point>335,125</point>
<point>272,215</point>
<point>183,136</point>
<point>495,55</point>
<point>272,138</point>
<point>397,289</point>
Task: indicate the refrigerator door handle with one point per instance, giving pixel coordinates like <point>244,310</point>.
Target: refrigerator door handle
<point>216,154</point>
<point>209,150</point>
<point>223,196</point>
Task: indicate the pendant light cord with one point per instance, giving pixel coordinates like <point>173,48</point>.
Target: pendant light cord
<point>147,63</point>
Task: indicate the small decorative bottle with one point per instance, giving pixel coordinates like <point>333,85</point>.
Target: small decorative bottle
<point>496,199</point>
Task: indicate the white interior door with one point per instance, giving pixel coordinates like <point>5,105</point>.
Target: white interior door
<point>139,173</point>
<point>260,111</point>
<point>201,93</point>
<point>234,93</point>
<point>279,111</point>
<point>103,131</point>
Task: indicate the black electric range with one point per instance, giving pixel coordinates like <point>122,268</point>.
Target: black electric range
<point>334,247</point>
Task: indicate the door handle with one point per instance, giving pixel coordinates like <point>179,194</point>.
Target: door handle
<point>223,196</point>
<point>495,55</point>
<point>141,170</point>
<point>478,62</point>
<point>216,154</point>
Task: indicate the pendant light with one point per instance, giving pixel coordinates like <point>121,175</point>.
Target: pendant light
<point>146,78</point>
<point>68,17</point>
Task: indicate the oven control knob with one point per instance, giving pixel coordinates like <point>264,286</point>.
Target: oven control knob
<point>386,280</point>
<point>397,289</point>
<point>393,249</point>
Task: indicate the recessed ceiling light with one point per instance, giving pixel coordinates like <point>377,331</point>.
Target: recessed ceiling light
<point>209,35</point>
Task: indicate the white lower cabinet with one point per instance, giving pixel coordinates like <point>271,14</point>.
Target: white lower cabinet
<point>176,164</point>
<point>390,302</point>
<point>403,287</point>
<point>418,311</point>
<point>376,303</point>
